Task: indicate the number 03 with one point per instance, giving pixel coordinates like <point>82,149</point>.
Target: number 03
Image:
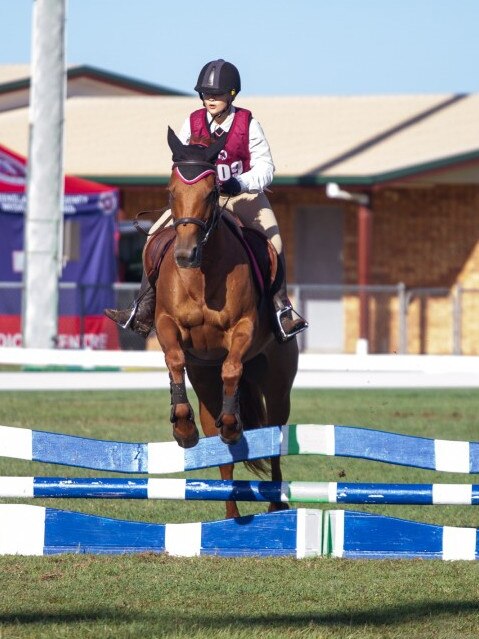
<point>225,171</point>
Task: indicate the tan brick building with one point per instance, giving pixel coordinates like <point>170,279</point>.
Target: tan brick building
<point>415,244</point>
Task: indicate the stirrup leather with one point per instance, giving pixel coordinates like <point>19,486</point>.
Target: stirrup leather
<point>282,312</point>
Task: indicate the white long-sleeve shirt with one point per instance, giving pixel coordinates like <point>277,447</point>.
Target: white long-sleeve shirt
<point>261,172</point>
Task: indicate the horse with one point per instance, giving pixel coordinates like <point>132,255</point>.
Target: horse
<point>211,322</point>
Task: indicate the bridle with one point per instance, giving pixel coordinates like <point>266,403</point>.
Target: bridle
<point>215,211</point>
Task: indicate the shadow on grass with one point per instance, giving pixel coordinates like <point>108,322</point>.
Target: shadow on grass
<point>384,616</point>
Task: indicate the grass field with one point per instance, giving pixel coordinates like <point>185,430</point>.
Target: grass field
<point>158,596</point>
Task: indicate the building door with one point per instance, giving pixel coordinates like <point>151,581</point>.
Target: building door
<point>319,246</point>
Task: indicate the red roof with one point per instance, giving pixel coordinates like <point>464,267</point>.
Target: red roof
<point>13,176</point>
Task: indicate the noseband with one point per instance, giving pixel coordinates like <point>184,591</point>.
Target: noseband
<point>210,224</point>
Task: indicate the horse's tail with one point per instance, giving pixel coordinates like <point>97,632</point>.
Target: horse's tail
<point>253,414</point>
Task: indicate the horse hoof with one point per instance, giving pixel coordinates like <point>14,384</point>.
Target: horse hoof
<point>233,437</point>
<point>186,442</point>
<point>275,506</point>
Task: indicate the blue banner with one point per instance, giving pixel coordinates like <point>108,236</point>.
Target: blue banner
<point>105,202</point>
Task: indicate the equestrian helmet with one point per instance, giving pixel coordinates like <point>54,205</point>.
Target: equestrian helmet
<point>218,77</point>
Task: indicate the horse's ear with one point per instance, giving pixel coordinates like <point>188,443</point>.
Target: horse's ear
<point>213,150</point>
<point>177,148</point>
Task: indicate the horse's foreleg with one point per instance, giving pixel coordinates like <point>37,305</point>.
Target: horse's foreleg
<point>229,421</point>
<point>182,417</point>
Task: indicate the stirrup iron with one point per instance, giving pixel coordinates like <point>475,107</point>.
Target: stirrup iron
<point>128,322</point>
<point>283,312</point>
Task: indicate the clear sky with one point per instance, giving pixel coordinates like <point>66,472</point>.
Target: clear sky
<point>281,47</point>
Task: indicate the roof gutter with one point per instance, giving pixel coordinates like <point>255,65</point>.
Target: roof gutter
<point>311,179</point>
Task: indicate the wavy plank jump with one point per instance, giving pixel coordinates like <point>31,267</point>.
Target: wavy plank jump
<point>271,441</point>
<point>239,490</point>
<point>34,530</point>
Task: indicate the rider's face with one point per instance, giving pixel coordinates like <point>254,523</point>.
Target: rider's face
<point>216,103</point>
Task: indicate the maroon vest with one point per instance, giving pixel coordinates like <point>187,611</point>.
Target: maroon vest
<point>235,157</point>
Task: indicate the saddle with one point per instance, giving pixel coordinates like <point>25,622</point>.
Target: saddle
<point>263,258</point>
<point>154,252</point>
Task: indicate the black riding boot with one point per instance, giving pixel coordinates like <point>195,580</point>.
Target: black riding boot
<point>288,322</point>
<point>140,316</point>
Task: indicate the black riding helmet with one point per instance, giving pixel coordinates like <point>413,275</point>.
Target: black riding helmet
<point>218,77</point>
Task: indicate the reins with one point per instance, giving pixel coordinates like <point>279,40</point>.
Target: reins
<point>140,229</point>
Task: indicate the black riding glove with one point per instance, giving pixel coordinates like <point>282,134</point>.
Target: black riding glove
<point>231,187</point>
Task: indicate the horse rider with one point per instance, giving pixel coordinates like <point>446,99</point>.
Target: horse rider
<point>244,169</point>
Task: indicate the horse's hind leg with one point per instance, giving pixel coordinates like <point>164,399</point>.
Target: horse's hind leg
<point>282,367</point>
<point>207,384</point>
<point>278,414</point>
<point>226,471</point>
<point>276,475</point>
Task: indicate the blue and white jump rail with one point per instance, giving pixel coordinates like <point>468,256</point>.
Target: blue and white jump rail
<point>239,490</point>
<point>271,441</point>
<point>357,535</point>
<point>34,530</point>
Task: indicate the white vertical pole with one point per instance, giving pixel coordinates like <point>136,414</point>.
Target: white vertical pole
<point>44,217</point>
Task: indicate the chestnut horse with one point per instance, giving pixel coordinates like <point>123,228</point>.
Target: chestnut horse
<point>210,321</point>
